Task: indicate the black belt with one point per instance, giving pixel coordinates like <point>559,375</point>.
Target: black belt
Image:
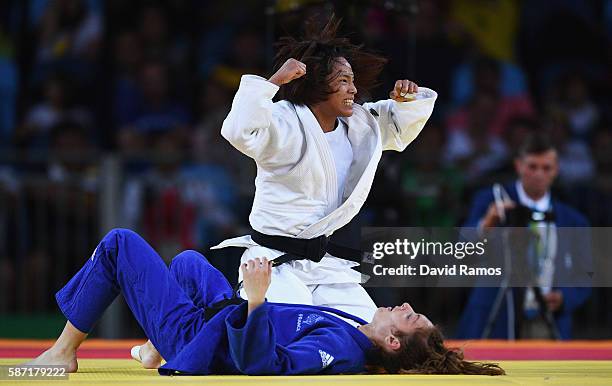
<point>211,311</point>
<point>310,249</point>
<point>295,249</point>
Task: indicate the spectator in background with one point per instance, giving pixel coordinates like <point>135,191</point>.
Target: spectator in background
<point>57,106</point>
<point>582,112</point>
<point>213,191</point>
<point>208,147</point>
<point>213,177</point>
<point>59,211</point>
<point>471,145</point>
<point>384,204</point>
<point>576,164</point>
<point>216,27</point>
<point>128,60</point>
<point>501,77</point>
<point>567,35</point>
<point>571,96</point>
<point>475,131</point>
<point>431,190</point>
<point>69,39</point>
<point>213,104</point>
<point>537,166</point>
<point>416,43</point>
<point>73,156</point>
<point>487,79</point>
<point>179,205</point>
<point>518,130</point>
<point>515,134</point>
<point>155,202</point>
<point>245,56</point>
<point>159,43</point>
<point>154,110</point>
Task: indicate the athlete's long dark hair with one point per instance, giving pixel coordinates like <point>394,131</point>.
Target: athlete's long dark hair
<point>319,50</point>
<point>424,352</point>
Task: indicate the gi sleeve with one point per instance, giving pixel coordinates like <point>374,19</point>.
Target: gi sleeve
<point>259,130</point>
<point>255,351</point>
<point>401,122</point>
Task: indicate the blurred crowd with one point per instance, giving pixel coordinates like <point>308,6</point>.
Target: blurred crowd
<point>152,81</point>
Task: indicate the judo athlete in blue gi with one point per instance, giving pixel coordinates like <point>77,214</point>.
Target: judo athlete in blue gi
<point>252,337</point>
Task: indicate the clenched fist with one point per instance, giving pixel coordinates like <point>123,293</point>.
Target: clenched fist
<point>290,70</point>
<point>404,90</point>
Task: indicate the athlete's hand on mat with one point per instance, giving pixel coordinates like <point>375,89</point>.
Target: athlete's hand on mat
<point>256,276</point>
<point>554,300</point>
<point>290,70</point>
<point>404,91</point>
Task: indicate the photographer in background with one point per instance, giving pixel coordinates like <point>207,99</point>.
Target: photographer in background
<point>537,166</point>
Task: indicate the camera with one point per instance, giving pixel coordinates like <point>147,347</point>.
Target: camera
<point>522,216</point>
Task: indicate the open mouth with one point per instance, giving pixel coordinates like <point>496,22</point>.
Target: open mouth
<point>347,102</point>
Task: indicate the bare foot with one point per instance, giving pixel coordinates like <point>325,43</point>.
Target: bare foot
<point>53,357</point>
<point>149,356</point>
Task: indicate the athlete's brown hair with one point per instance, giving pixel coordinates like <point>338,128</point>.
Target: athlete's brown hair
<point>424,352</point>
<point>319,50</point>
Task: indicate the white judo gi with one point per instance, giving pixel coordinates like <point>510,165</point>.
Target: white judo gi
<point>297,189</point>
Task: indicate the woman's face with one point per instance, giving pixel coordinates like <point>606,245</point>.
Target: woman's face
<point>400,319</point>
<point>341,82</point>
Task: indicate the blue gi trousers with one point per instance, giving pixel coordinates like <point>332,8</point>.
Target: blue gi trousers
<point>168,303</point>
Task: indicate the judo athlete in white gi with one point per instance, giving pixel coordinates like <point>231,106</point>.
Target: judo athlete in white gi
<point>255,337</point>
<point>316,153</point>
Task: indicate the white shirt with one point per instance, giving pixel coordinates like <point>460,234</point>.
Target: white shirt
<point>541,205</point>
<point>342,152</point>
<point>547,268</point>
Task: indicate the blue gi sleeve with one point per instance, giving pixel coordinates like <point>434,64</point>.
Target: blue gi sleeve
<point>255,350</point>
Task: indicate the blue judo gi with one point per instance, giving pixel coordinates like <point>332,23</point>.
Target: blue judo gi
<point>169,304</point>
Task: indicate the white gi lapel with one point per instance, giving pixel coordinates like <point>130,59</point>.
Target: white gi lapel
<point>241,241</point>
<point>364,135</point>
<point>312,127</point>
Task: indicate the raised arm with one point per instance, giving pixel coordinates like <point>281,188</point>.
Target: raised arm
<point>402,117</point>
<point>259,129</point>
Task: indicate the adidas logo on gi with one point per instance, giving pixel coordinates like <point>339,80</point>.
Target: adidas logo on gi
<point>326,358</point>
